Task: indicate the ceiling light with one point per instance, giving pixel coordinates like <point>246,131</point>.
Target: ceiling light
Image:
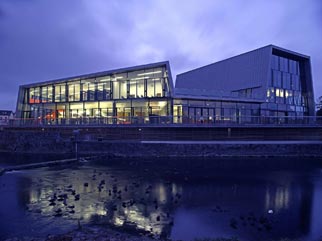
<point>155,72</point>
<point>139,78</point>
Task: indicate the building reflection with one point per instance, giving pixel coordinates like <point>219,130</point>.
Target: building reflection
<point>292,201</point>
<point>129,201</point>
<point>137,204</point>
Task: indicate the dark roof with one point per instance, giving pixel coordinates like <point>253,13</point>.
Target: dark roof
<point>5,112</point>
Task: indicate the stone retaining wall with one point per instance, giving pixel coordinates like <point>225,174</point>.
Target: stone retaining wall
<point>53,142</point>
<point>201,150</point>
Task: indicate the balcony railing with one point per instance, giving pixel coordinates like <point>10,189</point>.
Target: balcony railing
<point>170,120</point>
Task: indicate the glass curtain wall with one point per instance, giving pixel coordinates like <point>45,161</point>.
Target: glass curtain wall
<point>199,112</point>
<point>285,96</point>
<point>139,96</point>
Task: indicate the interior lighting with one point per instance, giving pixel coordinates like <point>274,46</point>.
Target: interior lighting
<point>138,78</point>
<point>116,78</point>
<point>155,72</point>
<point>104,80</point>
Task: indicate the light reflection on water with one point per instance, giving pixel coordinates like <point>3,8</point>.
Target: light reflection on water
<point>180,204</point>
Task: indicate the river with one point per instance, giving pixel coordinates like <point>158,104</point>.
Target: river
<point>177,199</point>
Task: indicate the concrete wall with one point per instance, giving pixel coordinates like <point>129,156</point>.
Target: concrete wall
<point>95,141</point>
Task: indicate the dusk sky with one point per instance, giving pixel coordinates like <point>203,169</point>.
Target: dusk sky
<point>48,39</point>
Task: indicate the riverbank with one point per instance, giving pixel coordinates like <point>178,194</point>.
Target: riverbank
<point>38,165</point>
<point>146,149</point>
<point>104,234</point>
<point>87,233</point>
<point>164,142</point>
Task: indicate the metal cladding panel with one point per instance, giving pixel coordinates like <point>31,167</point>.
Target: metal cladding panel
<point>19,102</point>
<point>247,70</point>
<point>308,87</point>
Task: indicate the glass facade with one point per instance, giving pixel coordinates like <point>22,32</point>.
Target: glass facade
<point>210,111</point>
<point>285,96</point>
<point>140,96</point>
<point>144,95</point>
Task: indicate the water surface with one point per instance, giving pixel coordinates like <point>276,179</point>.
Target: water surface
<point>177,199</point>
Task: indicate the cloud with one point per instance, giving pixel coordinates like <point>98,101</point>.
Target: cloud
<point>41,40</point>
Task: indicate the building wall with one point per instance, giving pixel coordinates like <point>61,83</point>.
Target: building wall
<point>267,82</point>
<point>245,71</point>
<point>279,79</point>
<point>193,111</point>
<point>289,87</point>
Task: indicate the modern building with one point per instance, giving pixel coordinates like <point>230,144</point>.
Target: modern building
<point>265,85</point>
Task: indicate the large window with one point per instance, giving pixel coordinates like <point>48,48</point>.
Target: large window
<point>107,112</point>
<point>100,91</point>
<point>289,97</point>
<point>104,88</point>
<point>295,84</point>
<point>140,111</point>
<point>123,89</point>
<point>74,91</point>
<point>151,88</point>
<point>285,85</point>
<point>91,91</point>
<point>44,94</point>
<point>140,88</point>
<point>123,112</point>
<point>277,78</point>
<point>34,95</point>
<point>126,97</point>
<point>294,67</point>
<point>116,90</point>
<point>60,93</point>
<point>91,109</point>
<point>283,64</point>
<point>286,81</point>
<point>158,87</point>
<point>76,110</point>
<point>275,62</point>
<point>132,89</point>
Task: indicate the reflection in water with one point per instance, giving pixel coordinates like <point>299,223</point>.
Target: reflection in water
<point>105,196</point>
<point>250,205</point>
<point>281,200</point>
